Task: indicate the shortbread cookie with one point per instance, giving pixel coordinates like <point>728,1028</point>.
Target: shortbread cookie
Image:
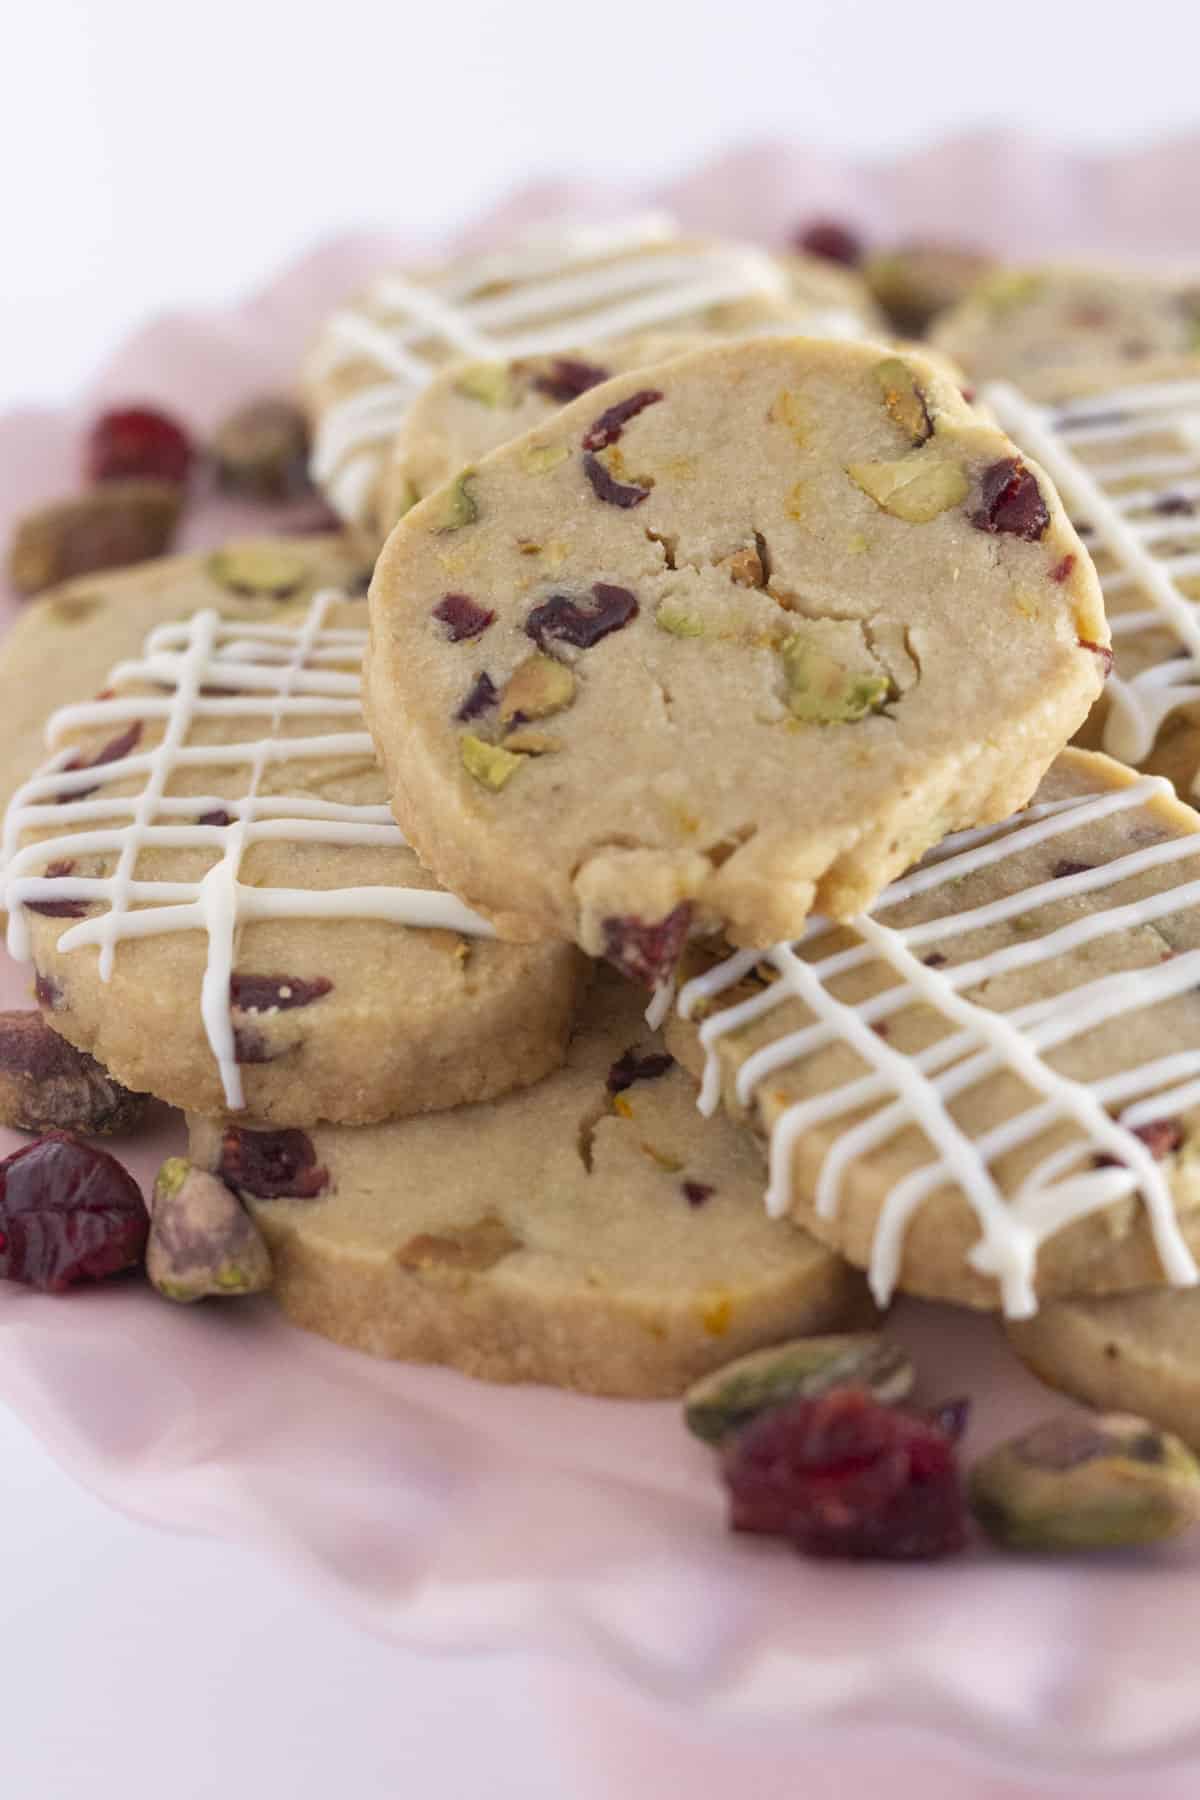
<point>1128,1353</point>
<point>62,646</point>
<point>1032,325</point>
<point>987,1089</point>
<point>589,1232</point>
<point>536,298</point>
<point>725,640</point>
<point>1126,460</point>
<point>220,908</point>
<point>470,408</point>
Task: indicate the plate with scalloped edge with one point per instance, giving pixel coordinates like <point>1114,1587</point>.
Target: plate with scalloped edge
<point>447,1514</point>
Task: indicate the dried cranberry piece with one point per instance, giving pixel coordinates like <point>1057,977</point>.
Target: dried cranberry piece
<point>58,909</point>
<point>646,952</point>
<point>272,1165</point>
<point>250,1046</point>
<point>275,993</point>
<point>630,1066</point>
<point>568,377</point>
<point>1162,1138</point>
<point>1174,506</point>
<point>606,487</point>
<point>115,750</point>
<point>697,1192</point>
<point>935,960</point>
<point>218,816</point>
<point>1012,501</point>
<point>462,617</point>
<point>611,423</point>
<point>563,618</point>
<point>137,441</point>
<point>1066,868</point>
<point>68,1213</point>
<point>1101,650</point>
<point>830,239</point>
<point>481,696</point>
<point>841,1475</point>
<point>1062,569</point>
<point>47,992</point>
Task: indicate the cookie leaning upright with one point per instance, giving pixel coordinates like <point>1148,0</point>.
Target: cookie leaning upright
<point>723,641</point>
<point>214,896</point>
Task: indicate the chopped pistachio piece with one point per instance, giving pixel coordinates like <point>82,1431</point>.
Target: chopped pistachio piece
<point>459,506</point>
<point>903,398</point>
<point>272,569</point>
<point>539,459</point>
<point>471,1249</point>
<point>527,742</point>
<point>537,687</point>
<point>730,1397</point>
<point>915,488</point>
<point>490,383</point>
<point>203,1243</point>
<point>821,691</point>
<point>678,620</point>
<point>490,765</point>
<point>1007,287</point>
<point>1095,1483</point>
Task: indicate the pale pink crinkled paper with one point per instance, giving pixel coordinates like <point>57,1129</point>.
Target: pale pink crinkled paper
<point>457,1516</point>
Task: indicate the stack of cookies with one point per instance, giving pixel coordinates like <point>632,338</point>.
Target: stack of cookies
<point>684,818</point>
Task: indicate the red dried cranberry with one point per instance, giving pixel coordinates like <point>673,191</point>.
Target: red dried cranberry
<point>1174,506</point>
<point>250,1046</point>
<point>115,750</point>
<point>275,993</point>
<point>1067,868</point>
<point>1101,650</point>
<point>47,992</point>
<point>462,617</point>
<point>1162,1138</point>
<point>218,816</point>
<point>935,960</point>
<point>1011,501</point>
<point>68,1213</point>
<point>832,240</point>
<point>567,378</point>
<point>647,952</point>
<point>609,426</point>
<point>1062,569</point>
<point>697,1192</point>
<point>565,619</point>
<point>630,1066</point>
<point>841,1475</point>
<point>481,696</point>
<point>58,909</point>
<point>272,1165</point>
<point>606,487</point>
<point>137,441</point>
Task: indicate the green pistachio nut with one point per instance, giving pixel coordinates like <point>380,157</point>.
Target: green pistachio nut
<point>728,1399</point>
<point>1078,1483</point>
<point>490,383</point>
<point>458,505</point>
<point>903,399</point>
<point>822,691</point>
<point>488,764</point>
<point>202,1241</point>
<point>915,488</point>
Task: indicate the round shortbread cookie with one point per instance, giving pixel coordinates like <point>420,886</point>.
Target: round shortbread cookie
<point>987,1089</point>
<point>218,904</point>
<point>1137,1353</point>
<point>61,646</point>
<point>538,297</point>
<point>1032,326</point>
<point>725,640</point>
<point>591,1231</point>
<point>1123,449</point>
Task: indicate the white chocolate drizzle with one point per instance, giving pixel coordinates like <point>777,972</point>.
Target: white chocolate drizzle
<point>310,671</point>
<point>1103,1163</point>
<point>557,292</point>
<point>1106,454</point>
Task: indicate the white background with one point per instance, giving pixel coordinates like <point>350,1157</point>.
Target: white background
<point>154,154</point>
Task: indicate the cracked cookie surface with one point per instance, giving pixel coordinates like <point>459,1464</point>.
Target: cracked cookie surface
<point>808,613</point>
<point>591,1231</point>
<point>215,823</point>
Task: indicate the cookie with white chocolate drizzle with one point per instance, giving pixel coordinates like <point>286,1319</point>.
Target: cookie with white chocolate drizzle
<point>1124,452</point>
<point>987,1088</point>
<point>220,908</point>
<point>758,626</point>
<point>537,297</point>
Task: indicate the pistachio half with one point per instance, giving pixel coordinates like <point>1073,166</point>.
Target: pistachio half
<point>728,1399</point>
<point>915,488</point>
<point>821,691</point>
<point>488,764</point>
